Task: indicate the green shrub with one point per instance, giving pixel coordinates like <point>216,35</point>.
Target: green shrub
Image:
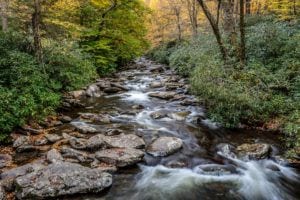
<point>67,66</point>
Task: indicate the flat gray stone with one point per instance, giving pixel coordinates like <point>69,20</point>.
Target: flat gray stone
<point>124,141</point>
<point>120,157</point>
<point>61,179</point>
<point>164,146</point>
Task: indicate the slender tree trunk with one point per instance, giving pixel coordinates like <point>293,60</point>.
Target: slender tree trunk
<point>36,22</point>
<point>218,11</point>
<point>229,21</point>
<point>248,7</point>
<point>3,13</point>
<point>242,34</point>
<point>178,20</point>
<point>215,28</point>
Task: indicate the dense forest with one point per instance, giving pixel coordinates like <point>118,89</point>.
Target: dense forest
<point>243,61</point>
<point>204,95</point>
<point>50,47</point>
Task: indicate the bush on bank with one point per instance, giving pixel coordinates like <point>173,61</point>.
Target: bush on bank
<point>29,90</point>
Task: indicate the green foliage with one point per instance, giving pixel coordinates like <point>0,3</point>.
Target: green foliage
<point>267,88</point>
<point>113,39</point>
<point>67,66</point>
<point>29,90</point>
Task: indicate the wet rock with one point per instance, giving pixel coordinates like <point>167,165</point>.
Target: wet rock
<point>81,156</point>
<point>103,166</point>
<point>78,143</point>
<point>54,156</point>
<point>84,127</point>
<point>74,103</point>
<point>112,132</point>
<point>22,140</point>
<point>179,116</point>
<point>32,130</point>
<point>163,95</point>
<point>189,102</point>
<point>95,118</point>
<point>164,146</point>
<point>215,169</point>
<point>120,157</point>
<point>5,160</point>
<point>226,150</point>
<point>124,141</point>
<point>138,107</point>
<point>77,94</point>
<point>157,68</point>
<point>41,141</point>
<point>2,193</point>
<point>8,177</point>
<point>112,90</point>
<point>65,119</point>
<point>159,114</point>
<point>53,137</point>
<point>93,91</point>
<point>254,151</point>
<point>96,142</point>
<point>173,86</point>
<point>60,179</point>
<point>118,85</point>
<point>156,84</point>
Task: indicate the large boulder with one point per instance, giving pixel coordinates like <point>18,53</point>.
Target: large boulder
<point>163,95</point>
<point>164,146</point>
<point>124,141</point>
<point>60,179</point>
<point>254,151</point>
<point>121,157</point>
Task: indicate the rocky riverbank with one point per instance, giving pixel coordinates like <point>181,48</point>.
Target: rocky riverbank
<point>141,115</point>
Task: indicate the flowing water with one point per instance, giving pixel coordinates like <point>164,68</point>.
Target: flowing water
<point>187,174</point>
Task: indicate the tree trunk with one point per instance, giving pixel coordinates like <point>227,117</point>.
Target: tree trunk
<point>215,28</point>
<point>36,22</point>
<point>229,21</point>
<point>178,21</point>
<point>248,7</point>
<point>3,14</point>
<point>242,34</point>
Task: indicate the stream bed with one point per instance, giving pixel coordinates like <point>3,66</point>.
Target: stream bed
<point>209,162</point>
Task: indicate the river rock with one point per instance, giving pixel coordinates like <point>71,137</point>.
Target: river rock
<point>112,90</point>
<point>111,132</point>
<point>41,141</point>
<point>65,119</point>
<point>22,140</point>
<point>159,114</point>
<point>124,141</point>
<point>93,91</point>
<point>2,193</point>
<point>156,84</point>
<point>84,127</point>
<point>60,179</point>
<point>77,94</point>
<point>179,116</point>
<point>138,107</point>
<point>78,143</point>
<point>163,95</point>
<point>54,156</point>
<point>226,150</point>
<point>5,160</point>
<point>254,151</point>
<point>8,177</point>
<point>120,157</point>
<point>81,156</point>
<point>215,169</point>
<point>118,85</point>
<point>95,142</point>
<point>95,117</point>
<point>53,137</point>
<point>157,68</point>
<point>164,146</point>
